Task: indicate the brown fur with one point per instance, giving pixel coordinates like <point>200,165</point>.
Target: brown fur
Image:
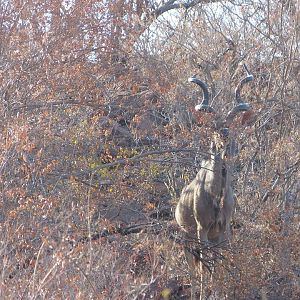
<point>205,207</point>
<point>206,204</point>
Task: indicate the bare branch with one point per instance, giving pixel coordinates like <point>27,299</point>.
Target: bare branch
<point>169,5</point>
<point>47,105</point>
<point>140,156</point>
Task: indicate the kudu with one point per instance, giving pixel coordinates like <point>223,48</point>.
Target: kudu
<point>206,204</point>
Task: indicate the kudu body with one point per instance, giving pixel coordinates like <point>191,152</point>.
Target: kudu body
<point>206,204</point>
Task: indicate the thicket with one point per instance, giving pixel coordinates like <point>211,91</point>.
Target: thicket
<point>98,137</point>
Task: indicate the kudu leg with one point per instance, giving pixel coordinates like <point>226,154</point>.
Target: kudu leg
<point>192,271</point>
<point>202,237</point>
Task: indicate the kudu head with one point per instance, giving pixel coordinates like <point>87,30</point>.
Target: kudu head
<point>222,126</point>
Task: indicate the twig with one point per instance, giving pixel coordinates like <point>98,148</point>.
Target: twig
<point>87,279</point>
<point>35,267</point>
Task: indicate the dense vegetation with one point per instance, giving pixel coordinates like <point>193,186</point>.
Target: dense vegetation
<point>98,137</point>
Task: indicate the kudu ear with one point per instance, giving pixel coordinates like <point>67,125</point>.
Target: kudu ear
<point>213,148</point>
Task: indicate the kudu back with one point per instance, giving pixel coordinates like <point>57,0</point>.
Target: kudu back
<point>206,204</point>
